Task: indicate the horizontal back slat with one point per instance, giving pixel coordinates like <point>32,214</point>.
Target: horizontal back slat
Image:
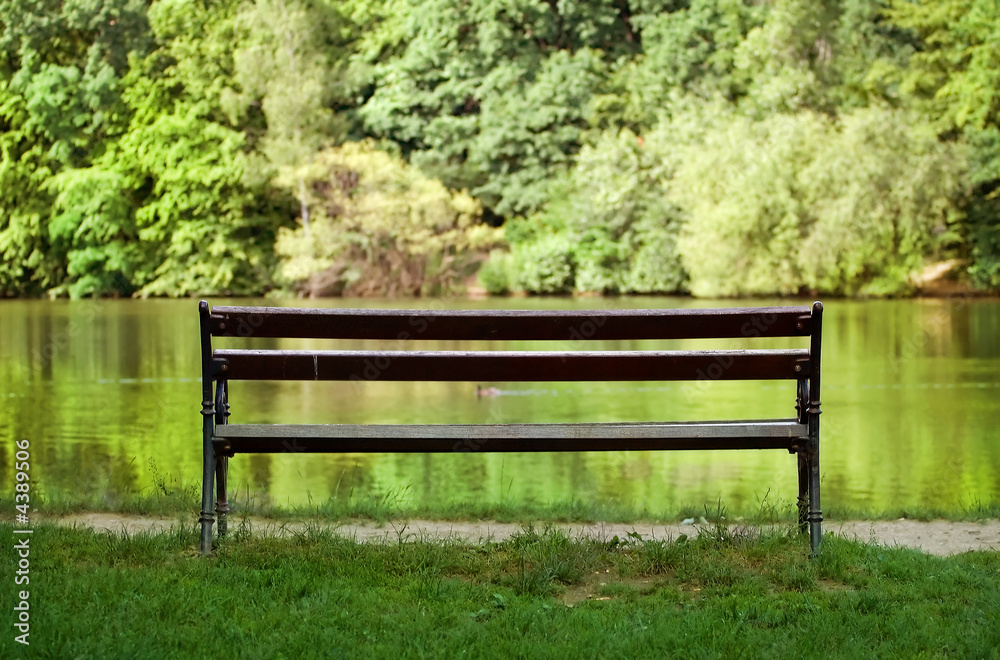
<point>511,366</point>
<point>470,325</point>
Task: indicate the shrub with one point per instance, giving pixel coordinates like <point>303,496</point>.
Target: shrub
<point>613,214</point>
<point>381,228</point>
<point>494,274</point>
<point>544,266</point>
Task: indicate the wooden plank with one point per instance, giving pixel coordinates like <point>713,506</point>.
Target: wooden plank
<point>421,438</point>
<point>560,325</point>
<point>514,366</point>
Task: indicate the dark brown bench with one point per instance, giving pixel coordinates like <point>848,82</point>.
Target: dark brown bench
<point>798,434</point>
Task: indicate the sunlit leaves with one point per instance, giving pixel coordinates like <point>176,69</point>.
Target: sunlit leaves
<point>381,227</point>
<point>800,202</point>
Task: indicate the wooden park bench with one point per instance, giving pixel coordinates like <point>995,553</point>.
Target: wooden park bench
<point>798,434</point>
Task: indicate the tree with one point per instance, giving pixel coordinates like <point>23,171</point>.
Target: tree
<point>60,111</point>
<point>493,95</point>
<point>802,202</point>
<point>206,223</point>
<point>955,76</point>
<point>610,225</point>
<point>381,228</point>
<point>284,64</point>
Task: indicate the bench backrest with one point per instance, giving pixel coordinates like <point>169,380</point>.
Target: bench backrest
<point>574,327</point>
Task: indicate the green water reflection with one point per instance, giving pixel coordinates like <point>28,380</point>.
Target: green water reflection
<point>107,393</point>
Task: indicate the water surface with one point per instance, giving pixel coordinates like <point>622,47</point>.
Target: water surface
<point>107,392</point>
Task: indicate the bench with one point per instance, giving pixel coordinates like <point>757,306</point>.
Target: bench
<point>798,434</point>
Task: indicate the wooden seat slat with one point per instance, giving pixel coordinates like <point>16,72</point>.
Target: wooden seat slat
<point>437,438</point>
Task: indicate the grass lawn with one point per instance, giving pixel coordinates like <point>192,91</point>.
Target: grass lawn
<point>732,592</point>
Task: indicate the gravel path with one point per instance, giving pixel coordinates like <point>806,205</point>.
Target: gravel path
<point>937,537</point>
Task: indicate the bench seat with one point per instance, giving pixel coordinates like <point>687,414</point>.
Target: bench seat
<point>420,438</point>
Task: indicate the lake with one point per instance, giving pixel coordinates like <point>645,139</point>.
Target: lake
<point>107,392</point>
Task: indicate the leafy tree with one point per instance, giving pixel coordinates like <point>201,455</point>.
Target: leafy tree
<point>688,49</point>
<point>381,228</point>
<point>493,95</point>
<point>956,76</point>
<point>284,62</point>
<point>203,218</point>
<point>958,66</point>
<point>800,202</point>
<point>866,44</point>
<point>610,223</point>
<point>60,110</point>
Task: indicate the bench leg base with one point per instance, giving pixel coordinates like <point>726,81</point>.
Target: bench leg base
<point>815,515</point>
<point>810,517</point>
<point>206,521</point>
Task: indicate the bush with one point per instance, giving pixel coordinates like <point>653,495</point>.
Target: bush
<point>599,263</point>
<point>494,274</point>
<point>655,266</point>
<point>613,214</point>
<point>544,266</point>
<point>381,228</point>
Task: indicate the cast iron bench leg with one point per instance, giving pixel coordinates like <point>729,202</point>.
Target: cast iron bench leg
<point>803,503</point>
<point>207,477</point>
<point>815,514</point>
<point>207,519</point>
<point>222,504</point>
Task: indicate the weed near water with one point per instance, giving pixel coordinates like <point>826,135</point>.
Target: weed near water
<point>729,592</point>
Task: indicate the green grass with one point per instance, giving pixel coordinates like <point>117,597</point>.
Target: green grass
<point>732,592</point>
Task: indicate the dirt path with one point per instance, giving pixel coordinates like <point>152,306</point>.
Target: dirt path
<point>937,537</point>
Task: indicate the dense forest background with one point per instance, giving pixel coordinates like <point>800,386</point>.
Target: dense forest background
<point>718,147</point>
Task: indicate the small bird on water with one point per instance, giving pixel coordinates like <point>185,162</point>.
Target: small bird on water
<point>486,391</point>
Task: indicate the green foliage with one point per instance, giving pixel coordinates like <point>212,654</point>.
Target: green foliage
<point>545,265</point>
<point>800,202</point>
<point>156,148</point>
<point>495,273</point>
<point>286,63</point>
<point>92,225</point>
<point>60,111</point>
<point>381,228</point>
<point>955,79</point>
<point>202,219</point>
<point>959,66</point>
<point>493,96</point>
<point>610,226</point>
<point>785,60</point>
